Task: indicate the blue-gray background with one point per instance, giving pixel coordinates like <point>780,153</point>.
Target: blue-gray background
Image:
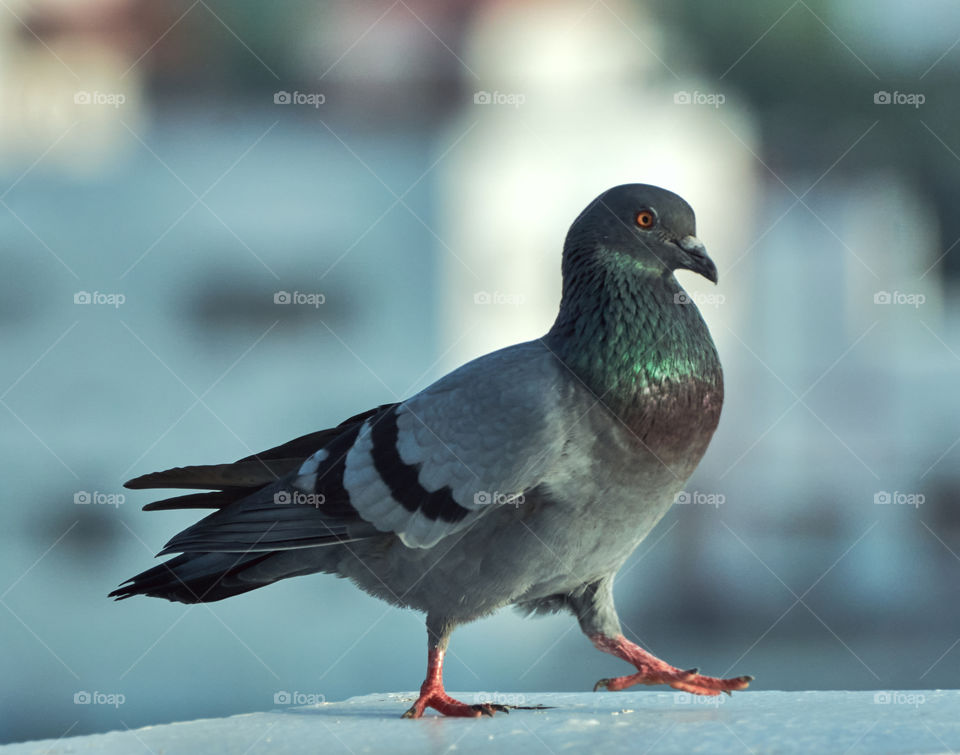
<point>146,161</point>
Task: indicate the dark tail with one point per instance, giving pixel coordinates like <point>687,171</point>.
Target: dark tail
<point>200,577</point>
<point>245,544</point>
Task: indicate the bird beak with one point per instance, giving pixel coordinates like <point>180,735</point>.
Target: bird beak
<point>695,258</point>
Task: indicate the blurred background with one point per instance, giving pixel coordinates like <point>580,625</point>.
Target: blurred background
<point>227,224</point>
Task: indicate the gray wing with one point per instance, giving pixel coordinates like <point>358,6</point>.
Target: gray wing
<point>485,433</point>
<point>422,469</point>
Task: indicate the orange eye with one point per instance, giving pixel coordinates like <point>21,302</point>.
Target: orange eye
<point>646,219</point>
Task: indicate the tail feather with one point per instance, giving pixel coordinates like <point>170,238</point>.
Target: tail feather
<point>254,471</point>
<point>195,578</point>
<point>197,501</point>
<point>252,541</point>
<point>246,474</point>
<point>258,523</point>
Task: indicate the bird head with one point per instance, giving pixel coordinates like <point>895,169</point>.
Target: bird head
<point>650,226</point>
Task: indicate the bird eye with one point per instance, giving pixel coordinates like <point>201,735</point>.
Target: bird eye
<point>646,219</point>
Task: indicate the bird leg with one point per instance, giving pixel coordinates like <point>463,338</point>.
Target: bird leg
<point>432,694</point>
<point>651,670</point>
<point>593,606</point>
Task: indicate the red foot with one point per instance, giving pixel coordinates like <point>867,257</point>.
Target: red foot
<point>651,670</point>
<point>447,706</point>
<point>433,696</point>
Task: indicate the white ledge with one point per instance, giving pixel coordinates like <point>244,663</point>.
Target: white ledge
<point>609,722</point>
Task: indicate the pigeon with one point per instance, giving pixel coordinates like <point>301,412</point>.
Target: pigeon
<point>525,477</point>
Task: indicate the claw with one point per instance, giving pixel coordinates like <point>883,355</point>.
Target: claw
<point>488,709</point>
<point>651,671</point>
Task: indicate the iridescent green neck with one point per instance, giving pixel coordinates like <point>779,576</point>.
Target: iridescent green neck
<point>625,330</point>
